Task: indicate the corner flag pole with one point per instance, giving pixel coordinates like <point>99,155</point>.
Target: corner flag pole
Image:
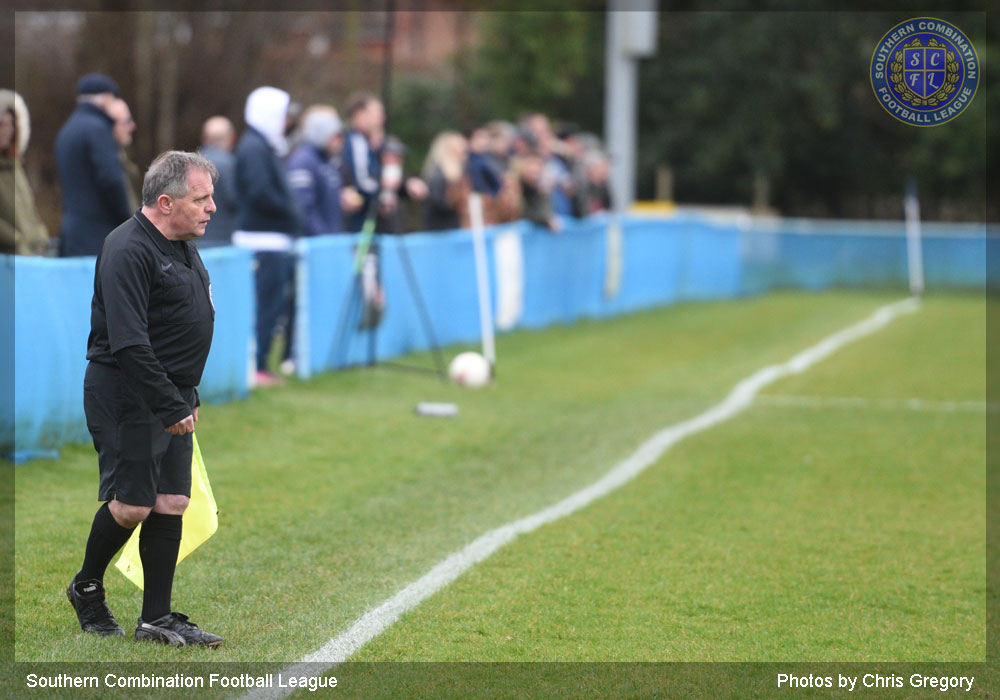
<point>482,280</point>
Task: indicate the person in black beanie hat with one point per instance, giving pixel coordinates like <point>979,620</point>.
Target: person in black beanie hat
<point>90,173</point>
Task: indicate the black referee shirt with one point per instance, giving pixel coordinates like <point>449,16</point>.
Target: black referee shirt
<point>149,291</point>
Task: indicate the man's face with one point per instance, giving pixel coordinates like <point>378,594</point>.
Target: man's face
<point>190,214</point>
<point>532,168</point>
<point>597,172</point>
<point>479,141</point>
<point>575,145</point>
<point>376,137</point>
<point>375,116</point>
<point>336,144</point>
<point>540,127</point>
<point>500,144</point>
<point>124,125</point>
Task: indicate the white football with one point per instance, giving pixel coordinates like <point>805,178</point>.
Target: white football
<point>469,369</point>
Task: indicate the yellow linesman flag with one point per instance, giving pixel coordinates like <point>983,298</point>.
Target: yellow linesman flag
<point>201,520</point>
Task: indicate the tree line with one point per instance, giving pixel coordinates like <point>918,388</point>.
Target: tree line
<point>743,108</point>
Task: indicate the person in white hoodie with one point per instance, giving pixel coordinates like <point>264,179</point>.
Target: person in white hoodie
<point>268,220</point>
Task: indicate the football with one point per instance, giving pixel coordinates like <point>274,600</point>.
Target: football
<point>469,369</point>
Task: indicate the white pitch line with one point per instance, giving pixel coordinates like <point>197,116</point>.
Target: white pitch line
<point>375,621</point>
<point>931,405</point>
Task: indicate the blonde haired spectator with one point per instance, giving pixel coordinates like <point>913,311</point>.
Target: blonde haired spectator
<point>444,173</point>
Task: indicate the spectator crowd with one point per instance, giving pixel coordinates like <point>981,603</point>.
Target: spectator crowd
<point>296,172</point>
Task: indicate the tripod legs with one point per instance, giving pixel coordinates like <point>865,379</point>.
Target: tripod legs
<point>411,279</point>
<point>352,312</point>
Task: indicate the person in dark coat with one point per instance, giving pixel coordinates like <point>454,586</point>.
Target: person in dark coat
<point>90,173</point>
<point>269,221</point>
<point>536,197</point>
<point>484,175</point>
<point>397,189</point>
<point>217,140</point>
<point>446,177</point>
<point>361,165</point>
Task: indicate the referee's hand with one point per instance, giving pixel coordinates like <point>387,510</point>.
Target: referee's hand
<point>182,427</point>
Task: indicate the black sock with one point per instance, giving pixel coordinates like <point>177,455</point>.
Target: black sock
<point>106,538</point>
<point>159,540</point>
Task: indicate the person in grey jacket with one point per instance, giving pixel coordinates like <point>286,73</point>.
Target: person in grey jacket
<point>217,140</point>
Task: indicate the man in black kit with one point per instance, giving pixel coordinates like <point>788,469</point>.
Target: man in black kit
<point>151,320</point>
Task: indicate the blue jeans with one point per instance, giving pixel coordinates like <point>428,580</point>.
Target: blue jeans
<point>275,301</point>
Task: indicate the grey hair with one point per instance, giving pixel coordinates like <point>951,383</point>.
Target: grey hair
<point>168,175</point>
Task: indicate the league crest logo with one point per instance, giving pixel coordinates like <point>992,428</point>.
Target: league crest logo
<point>925,71</point>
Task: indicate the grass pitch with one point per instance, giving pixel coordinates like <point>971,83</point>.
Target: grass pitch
<point>828,531</point>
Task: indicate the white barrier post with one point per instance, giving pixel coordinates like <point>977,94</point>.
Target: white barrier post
<point>914,251</point>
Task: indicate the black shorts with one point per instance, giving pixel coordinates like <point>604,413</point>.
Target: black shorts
<point>138,458</point>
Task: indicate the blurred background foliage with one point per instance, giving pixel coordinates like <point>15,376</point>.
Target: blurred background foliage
<point>783,101</point>
<point>750,108</point>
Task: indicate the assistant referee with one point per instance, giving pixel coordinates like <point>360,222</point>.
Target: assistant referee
<point>151,326</point>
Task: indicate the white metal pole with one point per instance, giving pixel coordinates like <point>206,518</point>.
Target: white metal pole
<point>619,112</point>
<point>914,248</point>
<point>482,279</point>
<point>630,35</point>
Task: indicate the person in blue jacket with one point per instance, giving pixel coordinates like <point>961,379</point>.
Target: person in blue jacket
<point>90,173</point>
<point>315,181</point>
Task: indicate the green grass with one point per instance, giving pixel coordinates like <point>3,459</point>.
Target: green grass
<point>786,534</point>
<point>829,534</point>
